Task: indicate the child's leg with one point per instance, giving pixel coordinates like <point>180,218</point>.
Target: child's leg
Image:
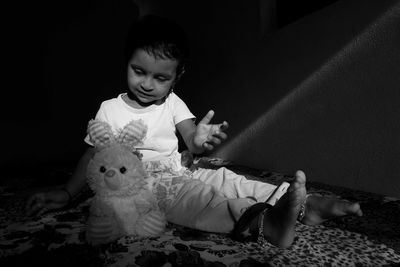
<point>199,206</point>
<point>233,185</point>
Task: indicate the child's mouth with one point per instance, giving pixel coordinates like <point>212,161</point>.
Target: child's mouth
<point>143,94</point>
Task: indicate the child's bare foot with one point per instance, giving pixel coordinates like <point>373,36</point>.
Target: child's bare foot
<point>322,208</point>
<point>280,219</point>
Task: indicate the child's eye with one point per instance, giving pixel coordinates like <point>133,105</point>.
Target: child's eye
<point>161,79</point>
<point>137,70</point>
<point>103,169</point>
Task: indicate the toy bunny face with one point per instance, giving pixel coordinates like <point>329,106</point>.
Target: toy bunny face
<point>116,169</point>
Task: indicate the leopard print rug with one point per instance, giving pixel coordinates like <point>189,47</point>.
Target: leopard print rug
<point>57,239</point>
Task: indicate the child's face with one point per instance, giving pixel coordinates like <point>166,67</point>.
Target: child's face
<point>150,79</point>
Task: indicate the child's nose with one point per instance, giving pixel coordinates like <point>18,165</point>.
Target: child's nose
<point>147,84</point>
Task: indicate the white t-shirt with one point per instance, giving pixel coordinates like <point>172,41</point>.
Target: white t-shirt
<point>161,140</point>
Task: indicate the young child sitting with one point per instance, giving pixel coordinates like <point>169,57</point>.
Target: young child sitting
<point>216,200</point>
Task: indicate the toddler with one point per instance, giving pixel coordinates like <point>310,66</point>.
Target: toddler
<point>210,200</point>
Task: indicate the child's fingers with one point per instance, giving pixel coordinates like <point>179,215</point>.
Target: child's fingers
<point>42,210</point>
<point>34,204</point>
<point>30,203</point>
<point>208,146</point>
<point>36,209</point>
<point>220,135</point>
<point>214,140</point>
<point>224,126</point>
<point>207,118</point>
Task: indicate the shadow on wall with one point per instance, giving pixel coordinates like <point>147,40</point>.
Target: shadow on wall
<point>341,123</point>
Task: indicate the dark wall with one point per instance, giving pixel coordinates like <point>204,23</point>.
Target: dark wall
<point>63,59</point>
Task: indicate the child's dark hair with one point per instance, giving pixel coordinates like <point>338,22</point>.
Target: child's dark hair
<point>160,37</point>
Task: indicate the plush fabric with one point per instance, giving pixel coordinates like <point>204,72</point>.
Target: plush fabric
<point>123,203</point>
<point>57,238</point>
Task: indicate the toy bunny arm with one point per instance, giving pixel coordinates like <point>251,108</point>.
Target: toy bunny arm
<point>145,202</point>
<point>152,223</point>
<point>102,227</point>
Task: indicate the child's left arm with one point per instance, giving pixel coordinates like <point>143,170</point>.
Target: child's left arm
<point>203,136</point>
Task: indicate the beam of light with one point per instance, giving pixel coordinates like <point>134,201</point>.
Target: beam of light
<point>241,141</point>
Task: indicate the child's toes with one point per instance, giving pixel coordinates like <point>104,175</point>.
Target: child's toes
<point>300,177</point>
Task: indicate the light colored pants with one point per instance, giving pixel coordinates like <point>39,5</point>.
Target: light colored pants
<point>209,200</point>
<point>233,185</point>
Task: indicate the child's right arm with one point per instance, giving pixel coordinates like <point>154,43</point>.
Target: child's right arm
<point>42,202</point>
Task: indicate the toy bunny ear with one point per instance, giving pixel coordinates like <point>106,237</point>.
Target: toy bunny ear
<point>100,133</point>
<point>133,133</point>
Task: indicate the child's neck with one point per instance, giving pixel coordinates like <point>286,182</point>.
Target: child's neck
<point>134,102</point>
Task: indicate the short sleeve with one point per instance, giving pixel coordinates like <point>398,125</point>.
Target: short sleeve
<point>180,110</point>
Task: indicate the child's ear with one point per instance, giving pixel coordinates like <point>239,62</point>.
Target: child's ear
<point>179,74</point>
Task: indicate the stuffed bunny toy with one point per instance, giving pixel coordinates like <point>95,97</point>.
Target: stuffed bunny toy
<point>123,203</point>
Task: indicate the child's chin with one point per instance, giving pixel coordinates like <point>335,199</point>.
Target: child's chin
<point>146,101</point>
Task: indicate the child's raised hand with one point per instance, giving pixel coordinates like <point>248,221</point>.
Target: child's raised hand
<point>207,135</point>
